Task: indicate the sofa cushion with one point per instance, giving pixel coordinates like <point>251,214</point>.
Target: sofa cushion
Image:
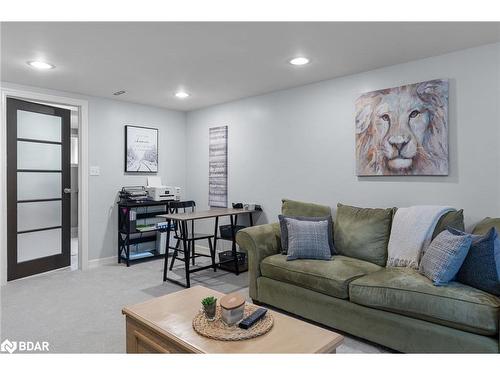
<point>328,277</point>
<point>296,208</point>
<point>405,291</point>
<point>363,233</point>
<point>451,219</point>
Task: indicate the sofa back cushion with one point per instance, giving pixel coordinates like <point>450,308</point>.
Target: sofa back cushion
<point>484,226</point>
<point>296,208</point>
<point>363,233</point>
<point>452,219</point>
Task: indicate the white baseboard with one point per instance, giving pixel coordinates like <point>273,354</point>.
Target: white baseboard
<point>94,263</point>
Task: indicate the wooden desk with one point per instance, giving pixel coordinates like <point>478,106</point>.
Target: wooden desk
<point>164,325</point>
<point>183,218</point>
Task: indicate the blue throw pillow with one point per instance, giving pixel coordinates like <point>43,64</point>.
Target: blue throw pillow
<point>444,256</point>
<point>481,268</point>
<point>284,230</point>
<point>308,239</point>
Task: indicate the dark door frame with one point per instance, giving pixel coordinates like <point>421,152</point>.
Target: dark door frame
<point>82,105</point>
<point>17,270</point>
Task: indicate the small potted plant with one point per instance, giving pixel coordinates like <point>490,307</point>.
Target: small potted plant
<point>209,307</point>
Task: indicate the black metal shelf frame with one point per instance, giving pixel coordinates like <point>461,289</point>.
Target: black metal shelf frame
<point>128,238</point>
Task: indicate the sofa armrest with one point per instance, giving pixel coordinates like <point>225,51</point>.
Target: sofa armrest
<point>259,242</point>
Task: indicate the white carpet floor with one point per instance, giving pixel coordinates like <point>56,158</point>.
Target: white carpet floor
<point>80,312</point>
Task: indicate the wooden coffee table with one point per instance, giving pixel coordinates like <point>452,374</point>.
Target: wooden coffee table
<point>164,325</point>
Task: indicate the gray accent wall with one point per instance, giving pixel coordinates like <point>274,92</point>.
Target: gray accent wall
<point>299,143</point>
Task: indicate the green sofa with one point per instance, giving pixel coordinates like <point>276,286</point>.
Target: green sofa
<point>395,307</point>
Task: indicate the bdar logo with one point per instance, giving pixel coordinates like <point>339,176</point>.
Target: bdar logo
<point>8,346</point>
<point>24,346</point>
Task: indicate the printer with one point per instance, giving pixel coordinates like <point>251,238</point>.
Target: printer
<point>158,192</point>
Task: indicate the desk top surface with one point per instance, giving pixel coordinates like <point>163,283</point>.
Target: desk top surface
<point>214,212</point>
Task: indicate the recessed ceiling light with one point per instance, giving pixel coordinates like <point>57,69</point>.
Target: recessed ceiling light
<point>299,61</point>
<point>181,94</point>
<point>121,92</point>
<point>40,65</point>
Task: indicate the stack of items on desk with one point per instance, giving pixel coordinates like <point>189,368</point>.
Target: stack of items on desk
<point>133,194</point>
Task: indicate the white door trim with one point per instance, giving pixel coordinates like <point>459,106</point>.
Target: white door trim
<point>83,209</point>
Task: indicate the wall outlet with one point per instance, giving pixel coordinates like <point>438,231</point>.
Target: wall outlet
<point>95,170</point>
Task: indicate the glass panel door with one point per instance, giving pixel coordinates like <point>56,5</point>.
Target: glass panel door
<point>38,180</point>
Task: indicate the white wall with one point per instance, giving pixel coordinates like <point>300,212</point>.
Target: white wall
<point>299,143</point>
<point>107,119</point>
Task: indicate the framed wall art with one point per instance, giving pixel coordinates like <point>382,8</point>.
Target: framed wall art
<point>141,149</point>
<point>403,130</point>
<point>217,167</point>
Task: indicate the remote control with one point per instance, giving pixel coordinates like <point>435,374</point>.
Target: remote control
<point>253,318</point>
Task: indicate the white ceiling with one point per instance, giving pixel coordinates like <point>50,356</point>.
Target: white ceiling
<point>216,62</point>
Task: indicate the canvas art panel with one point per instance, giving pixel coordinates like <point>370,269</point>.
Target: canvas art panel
<point>217,167</point>
<point>141,149</point>
<point>403,130</point>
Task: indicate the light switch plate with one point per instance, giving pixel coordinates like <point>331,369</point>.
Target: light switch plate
<point>95,170</point>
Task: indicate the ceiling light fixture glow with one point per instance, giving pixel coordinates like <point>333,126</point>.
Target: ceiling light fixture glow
<point>41,65</point>
<point>181,94</point>
<point>299,61</point>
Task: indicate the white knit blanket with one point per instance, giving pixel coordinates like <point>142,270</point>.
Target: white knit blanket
<point>411,234</point>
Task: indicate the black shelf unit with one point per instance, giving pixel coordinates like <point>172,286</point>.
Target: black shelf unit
<point>129,236</point>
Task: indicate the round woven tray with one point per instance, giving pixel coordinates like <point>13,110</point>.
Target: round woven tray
<point>219,330</point>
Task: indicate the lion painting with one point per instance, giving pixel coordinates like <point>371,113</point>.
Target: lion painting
<point>403,130</point>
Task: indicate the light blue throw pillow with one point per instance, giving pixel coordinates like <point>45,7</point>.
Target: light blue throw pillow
<point>308,239</point>
<point>444,256</point>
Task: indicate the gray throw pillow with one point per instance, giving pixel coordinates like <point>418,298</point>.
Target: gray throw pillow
<point>444,256</point>
<point>308,239</point>
<point>284,230</point>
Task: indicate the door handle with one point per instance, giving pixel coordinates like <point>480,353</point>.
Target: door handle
<point>67,191</point>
